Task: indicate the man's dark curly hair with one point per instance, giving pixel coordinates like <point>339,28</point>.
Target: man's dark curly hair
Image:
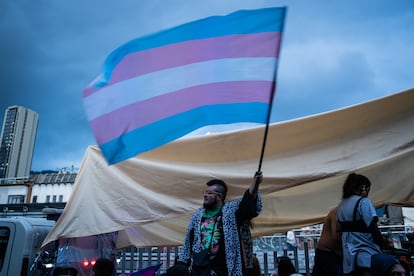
<point>221,186</point>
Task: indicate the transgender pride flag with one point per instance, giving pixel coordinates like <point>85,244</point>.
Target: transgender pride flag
<point>149,271</point>
<point>158,88</point>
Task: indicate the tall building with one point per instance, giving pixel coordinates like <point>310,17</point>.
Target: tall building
<point>17,142</point>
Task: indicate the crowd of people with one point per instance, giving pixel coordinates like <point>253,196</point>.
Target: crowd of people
<point>218,240</point>
<point>214,243</point>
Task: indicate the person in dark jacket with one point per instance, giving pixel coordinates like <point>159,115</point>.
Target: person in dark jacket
<point>103,267</point>
<point>387,265</point>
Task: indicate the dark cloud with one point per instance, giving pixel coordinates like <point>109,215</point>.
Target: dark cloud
<point>340,54</point>
<point>315,88</point>
<point>334,54</point>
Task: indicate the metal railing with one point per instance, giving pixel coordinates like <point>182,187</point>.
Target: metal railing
<point>267,249</point>
<point>133,259</point>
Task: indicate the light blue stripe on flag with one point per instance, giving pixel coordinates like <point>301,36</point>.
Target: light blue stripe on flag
<point>165,131</point>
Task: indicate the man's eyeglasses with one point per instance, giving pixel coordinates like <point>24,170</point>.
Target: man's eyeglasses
<point>209,193</point>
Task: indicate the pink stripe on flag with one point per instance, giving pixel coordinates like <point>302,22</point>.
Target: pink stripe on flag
<point>114,124</point>
<point>173,55</point>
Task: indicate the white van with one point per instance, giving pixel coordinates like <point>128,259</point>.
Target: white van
<point>20,241</point>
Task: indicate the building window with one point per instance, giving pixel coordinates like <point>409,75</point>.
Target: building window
<point>34,199</point>
<point>15,199</point>
<point>60,198</point>
<point>48,199</point>
<point>54,198</point>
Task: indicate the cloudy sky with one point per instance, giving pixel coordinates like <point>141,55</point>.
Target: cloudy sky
<point>334,54</point>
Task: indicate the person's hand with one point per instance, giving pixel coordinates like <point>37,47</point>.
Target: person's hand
<point>258,177</point>
<point>387,243</point>
<point>254,186</point>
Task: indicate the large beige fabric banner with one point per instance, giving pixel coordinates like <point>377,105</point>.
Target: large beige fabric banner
<point>150,198</point>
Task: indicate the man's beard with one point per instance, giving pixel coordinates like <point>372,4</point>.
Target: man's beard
<point>211,205</point>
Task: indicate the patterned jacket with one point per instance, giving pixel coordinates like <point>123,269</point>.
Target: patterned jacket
<point>249,208</point>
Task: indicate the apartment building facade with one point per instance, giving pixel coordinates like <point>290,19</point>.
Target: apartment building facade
<point>39,189</point>
<point>18,137</point>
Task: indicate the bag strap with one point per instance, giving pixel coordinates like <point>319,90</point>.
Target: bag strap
<point>354,225</point>
<point>356,209</point>
<point>212,232</point>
